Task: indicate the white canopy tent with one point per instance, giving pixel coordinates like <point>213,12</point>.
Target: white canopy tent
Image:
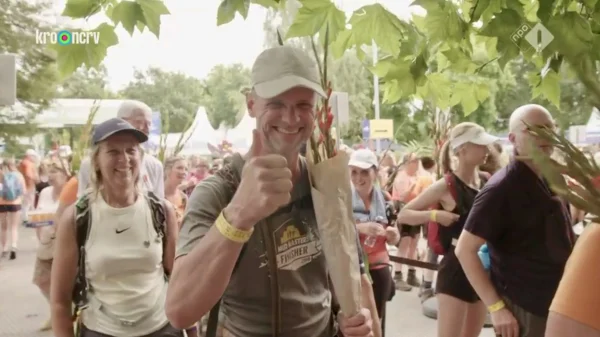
<point>241,135</point>
<point>198,136</point>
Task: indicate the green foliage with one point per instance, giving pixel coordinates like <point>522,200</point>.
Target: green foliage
<point>36,78</point>
<point>174,94</point>
<point>183,137</point>
<point>438,57</point>
<point>83,143</point>
<point>133,14</point>
<point>583,192</point>
<point>86,83</point>
<point>223,101</point>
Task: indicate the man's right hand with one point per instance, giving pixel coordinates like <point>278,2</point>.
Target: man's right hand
<point>265,186</point>
<point>505,323</point>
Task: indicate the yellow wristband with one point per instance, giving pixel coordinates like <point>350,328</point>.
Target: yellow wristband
<point>433,215</point>
<point>230,232</point>
<point>496,306</point>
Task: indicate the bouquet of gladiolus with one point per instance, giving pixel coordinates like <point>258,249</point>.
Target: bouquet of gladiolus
<point>576,179</point>
<point>332,199</point>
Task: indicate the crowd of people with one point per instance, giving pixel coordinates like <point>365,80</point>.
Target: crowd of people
<point>138,247</point>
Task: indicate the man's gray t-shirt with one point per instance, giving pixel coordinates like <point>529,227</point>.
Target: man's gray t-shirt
<point>301,269</point>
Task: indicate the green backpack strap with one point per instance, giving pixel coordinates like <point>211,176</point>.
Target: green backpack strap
<point>83,220</point>
<point>159,218</point>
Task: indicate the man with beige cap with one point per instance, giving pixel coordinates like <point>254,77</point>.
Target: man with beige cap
<point>249,236</point>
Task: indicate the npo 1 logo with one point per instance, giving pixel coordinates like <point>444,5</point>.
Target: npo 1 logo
<point>65,37</point>
<point>539,37</point>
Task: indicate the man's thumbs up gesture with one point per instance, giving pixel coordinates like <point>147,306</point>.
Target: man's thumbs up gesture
<point>265,185</point>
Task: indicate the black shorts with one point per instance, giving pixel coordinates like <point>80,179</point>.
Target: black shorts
<point>452,281</point>
<point>10,208</point>
<point>383,287</point>
<point>410,231</point>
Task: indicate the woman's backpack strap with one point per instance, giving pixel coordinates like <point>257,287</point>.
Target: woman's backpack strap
<point>83,221</point>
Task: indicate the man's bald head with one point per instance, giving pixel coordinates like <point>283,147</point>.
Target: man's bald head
<point>531,114</point>
<point>523,114</point>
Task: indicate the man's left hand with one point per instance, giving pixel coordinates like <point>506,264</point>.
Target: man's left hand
<point>359,325</point>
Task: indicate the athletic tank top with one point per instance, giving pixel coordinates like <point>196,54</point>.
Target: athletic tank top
<point>125,272</point>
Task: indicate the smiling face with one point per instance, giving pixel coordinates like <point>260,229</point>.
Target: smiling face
<point>178,172</point>
<point>56,176</point>
<point>362,179</point>
<point>285,121</point>
<point>118,161</point>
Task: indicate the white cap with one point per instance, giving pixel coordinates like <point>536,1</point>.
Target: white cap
<point>475,135</point>
<point>364,159</point>
<point>279,69</point>
<point>31,152</point>
<point>65,151</point>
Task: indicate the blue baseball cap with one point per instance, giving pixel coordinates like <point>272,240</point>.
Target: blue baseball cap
<point>113,126</point>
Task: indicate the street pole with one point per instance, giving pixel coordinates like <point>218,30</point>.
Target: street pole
<point>376,96</point>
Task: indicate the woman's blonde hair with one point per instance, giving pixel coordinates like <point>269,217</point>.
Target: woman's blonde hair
<point>457,131</point>
<point>170,163</point>
<point>96,180</point>
<point>9,163</point>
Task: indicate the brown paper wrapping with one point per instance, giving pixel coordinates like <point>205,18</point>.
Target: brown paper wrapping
<point>332,198</point>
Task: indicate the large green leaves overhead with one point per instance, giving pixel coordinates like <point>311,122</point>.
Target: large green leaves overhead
<point>71,57</point>
<point>128,14</point>
<point>316,16</point>
<point>455,40</point>
<point>438,56</point>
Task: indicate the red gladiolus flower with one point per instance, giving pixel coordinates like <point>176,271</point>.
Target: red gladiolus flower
<point>596,182</point>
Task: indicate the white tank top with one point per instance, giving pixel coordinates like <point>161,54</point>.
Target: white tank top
<point>124,270</point>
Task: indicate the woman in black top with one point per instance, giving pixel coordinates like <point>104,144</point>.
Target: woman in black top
<point>461,313</point>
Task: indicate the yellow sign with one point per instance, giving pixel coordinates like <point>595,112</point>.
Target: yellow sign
<point>381,129</point>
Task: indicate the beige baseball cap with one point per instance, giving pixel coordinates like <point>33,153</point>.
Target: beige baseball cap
<point>279,69</point>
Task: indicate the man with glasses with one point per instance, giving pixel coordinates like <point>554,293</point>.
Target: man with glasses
<point>528,232</point>
<point>139,115</point>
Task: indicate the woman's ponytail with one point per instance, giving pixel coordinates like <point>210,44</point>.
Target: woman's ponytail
<point>445,159</point>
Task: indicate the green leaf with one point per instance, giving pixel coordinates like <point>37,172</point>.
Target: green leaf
<point>128,14</point>
<point>438,89</point>
<point>81,8</point>
<point>314,17</point>
<point>266,3</point>
<point>469,96</point>
<point>72,56</point>
<point>153,9</point>
<point>228,8</point>
<point>572,34</point>
<point>549,87</point>
<point>375,23</point>
<point>445,24</point>
<point>482,10</point>
<point>459,62</point>
<point>343,42</point>
<point>503,27</point>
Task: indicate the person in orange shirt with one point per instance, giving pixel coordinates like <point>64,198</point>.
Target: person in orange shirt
<point>575,310</point>
<point>176,170</point>
<point>67,196</point>
<point>28,168</point>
